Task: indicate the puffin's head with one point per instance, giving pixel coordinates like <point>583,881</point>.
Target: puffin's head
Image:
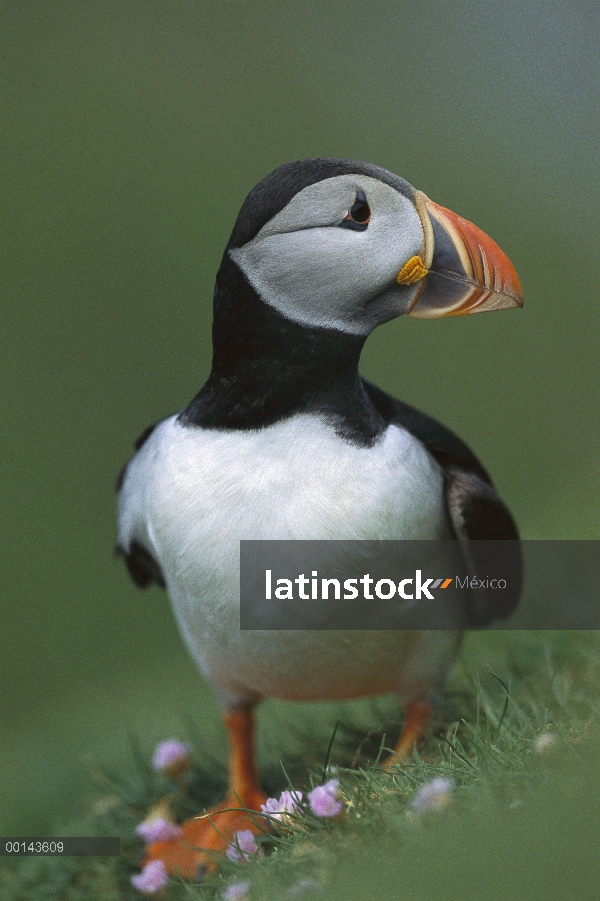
<point>345,245</point>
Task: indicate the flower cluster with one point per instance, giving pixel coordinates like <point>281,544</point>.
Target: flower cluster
<point>325,800</point>
<point>235,891</point>
<point>158,830</point>
<point>153,878</point>
<point>244,846</point>
<point>434,795</point>
<point>172,757</point>
<point>288,803</point>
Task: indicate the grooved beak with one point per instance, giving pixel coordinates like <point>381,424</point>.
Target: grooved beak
<point>466,272</point>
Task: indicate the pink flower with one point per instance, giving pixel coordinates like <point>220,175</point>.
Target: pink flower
<point>244,846</point>
<point>289,802</point>
<point>158,830</point>
<point>434,795</point>
<point>324,799</point>
<point>236,891</point>
<point>153,877</point>
<point>171,757</point>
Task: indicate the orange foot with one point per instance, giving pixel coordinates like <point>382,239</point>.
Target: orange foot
<point>197,851</point>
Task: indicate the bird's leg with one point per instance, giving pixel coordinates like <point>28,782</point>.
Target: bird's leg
<point>244,782</point>
<point>215,830</point>
<point>417,717</point>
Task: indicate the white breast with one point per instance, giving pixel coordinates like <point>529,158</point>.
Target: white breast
<point>191,494</point>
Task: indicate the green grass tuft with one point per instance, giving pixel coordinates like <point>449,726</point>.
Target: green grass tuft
<point>524,821</point>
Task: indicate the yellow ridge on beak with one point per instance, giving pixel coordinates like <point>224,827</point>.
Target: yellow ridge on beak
<point>412,271</point>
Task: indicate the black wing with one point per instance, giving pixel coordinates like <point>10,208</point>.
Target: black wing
<point>142,567</point>
<point>476,512</point>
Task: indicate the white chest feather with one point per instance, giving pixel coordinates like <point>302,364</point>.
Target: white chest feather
<point>194,489</point>
<point>191,494</point>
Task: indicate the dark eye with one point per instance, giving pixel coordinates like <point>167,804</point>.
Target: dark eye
<point>359,214</point>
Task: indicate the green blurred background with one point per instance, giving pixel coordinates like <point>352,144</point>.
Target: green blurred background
<point>131,133</point>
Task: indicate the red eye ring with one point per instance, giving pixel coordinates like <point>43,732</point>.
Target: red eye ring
<point>359,212</point>
<point>359,215</point>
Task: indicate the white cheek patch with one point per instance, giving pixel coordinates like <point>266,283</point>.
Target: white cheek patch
<point>319,274</point>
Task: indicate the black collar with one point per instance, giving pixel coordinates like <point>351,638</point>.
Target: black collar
<point>267,368</point>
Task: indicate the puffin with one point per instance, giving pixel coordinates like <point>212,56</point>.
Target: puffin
<point>286,440</point>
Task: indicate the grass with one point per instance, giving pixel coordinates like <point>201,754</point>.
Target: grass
<point>523,822</point>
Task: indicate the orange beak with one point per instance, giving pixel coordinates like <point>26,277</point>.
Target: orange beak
<point>464,271</point>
